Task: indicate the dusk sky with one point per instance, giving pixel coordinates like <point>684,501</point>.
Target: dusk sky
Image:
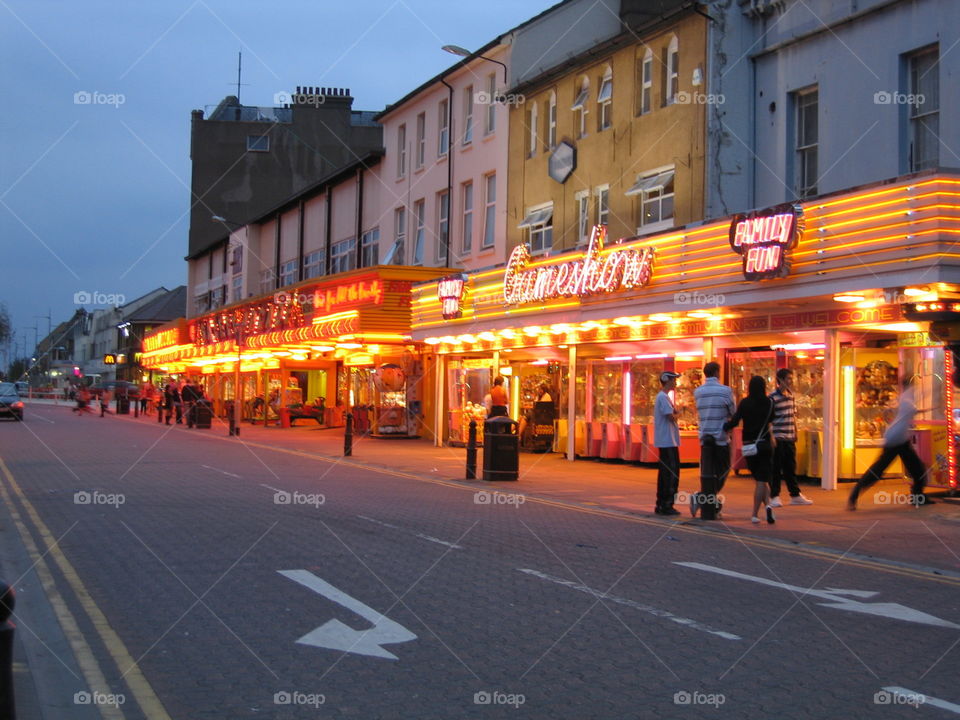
<point>94,197</point>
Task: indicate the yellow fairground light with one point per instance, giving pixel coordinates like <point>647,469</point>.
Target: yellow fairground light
<point>849,387</point>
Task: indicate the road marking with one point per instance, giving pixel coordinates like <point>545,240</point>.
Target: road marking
<point>649,609</point>
<point>271,487</point>
<point>41,417</point>
<point>220,471</point>
<point>838,600</point>
<point>842,557</point>
<point>927,699</point>
<point>335,635</point>
<point>419,535</point>
<point>138,684</point>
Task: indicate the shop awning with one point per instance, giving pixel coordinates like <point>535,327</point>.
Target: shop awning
<point>651,182</point>
<point>537,217</point>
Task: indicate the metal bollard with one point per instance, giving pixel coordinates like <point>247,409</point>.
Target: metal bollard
<point>348,436</point>
<point>7,628</point>
<point>136,407</point>
<point>472,451</point>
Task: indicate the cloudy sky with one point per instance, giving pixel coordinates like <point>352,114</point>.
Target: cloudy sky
<point>94,196</point>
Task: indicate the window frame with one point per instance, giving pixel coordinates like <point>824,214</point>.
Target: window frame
<point>288,272</point>
<point>646,82</point>
<point>421,154</point>
<point>314,259</point>
<point>419,216</point>
<point>539,238</point>
<point>400,234</point>
<point>490,121</point>
<point>257,140</point>
<point>443,128</point>
<point>803,150</point>
<point>605,106</point>
<point>489,211</point>
<point>466,223</point>
<point>671,72</point>
<point>919,121</point>
<point>402,150</point>
<point>579,108</point>
<point>647,196</point>
<point>443,224</point>
<point>582,199</point>
<point>551,119</point>
<point>602,195</point>
<point>467,138</point>
<point>340,251</point>
<point>532,134</point>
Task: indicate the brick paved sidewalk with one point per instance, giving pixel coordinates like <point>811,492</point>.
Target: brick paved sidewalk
<point>929,536</point>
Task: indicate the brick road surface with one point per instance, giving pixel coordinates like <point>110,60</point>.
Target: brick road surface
<point>582,614</point>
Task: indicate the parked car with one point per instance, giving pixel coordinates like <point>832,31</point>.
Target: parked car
<point>10,402</point>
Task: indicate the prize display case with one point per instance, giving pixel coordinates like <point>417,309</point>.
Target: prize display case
<point>869,395</point>
<point>390,383</point>
<point>468,382</point>
<point>607,391</point>
<point>808,404</point>
<point>644,386</point>
<point>744,364</point>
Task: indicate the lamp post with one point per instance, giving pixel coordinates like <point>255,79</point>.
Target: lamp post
<point>463,52</point>
<point>237,395</point>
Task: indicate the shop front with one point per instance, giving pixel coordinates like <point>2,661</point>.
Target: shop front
<point>819,288</point>
<point>312,351</point>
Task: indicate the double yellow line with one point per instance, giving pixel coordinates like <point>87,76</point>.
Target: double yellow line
<point>139,687</point>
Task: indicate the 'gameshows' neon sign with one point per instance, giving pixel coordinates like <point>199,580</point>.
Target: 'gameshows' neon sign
<point>593,273</point>
<point>764,239</point>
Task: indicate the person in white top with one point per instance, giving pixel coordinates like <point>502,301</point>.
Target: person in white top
<point>896,442</point>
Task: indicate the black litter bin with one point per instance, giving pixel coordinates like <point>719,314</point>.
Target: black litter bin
<point>501,449</point>
<point>203,414</point>
<point>123,405</point>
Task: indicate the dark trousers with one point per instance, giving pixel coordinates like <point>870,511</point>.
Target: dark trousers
<point>761,464</point>
<point>188,411</point>
<point>714,468</point>
<point>911,461</point>
<point>784,468</point>
<point>668,477</point>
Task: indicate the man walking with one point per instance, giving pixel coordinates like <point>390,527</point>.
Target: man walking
<point>188,397</point>
<point>666,438</point>
<point>896,441</point>
<point>715,406</point>
<point>785,433</point>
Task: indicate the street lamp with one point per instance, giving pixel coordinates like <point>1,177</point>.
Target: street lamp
<point>222,219</point>
<point>463,52</point>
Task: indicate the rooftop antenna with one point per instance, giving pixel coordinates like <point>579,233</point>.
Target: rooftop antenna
<point>239,70</point>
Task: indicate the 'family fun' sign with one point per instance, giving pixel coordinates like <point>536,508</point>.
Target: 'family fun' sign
<point>592,274</point>
<point>764,239</point>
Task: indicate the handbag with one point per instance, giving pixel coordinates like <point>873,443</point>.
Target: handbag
<point>750,449</point>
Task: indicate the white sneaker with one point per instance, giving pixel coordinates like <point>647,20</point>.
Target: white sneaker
<point>755,520</point>
<point>776,502</point>
<point>800,499</point>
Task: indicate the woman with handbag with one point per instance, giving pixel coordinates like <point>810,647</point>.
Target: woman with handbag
<point>756,411</point>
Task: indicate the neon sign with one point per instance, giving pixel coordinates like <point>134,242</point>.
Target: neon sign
<point>592,274</point>
<point>450,293</point>
<point>764,239</point>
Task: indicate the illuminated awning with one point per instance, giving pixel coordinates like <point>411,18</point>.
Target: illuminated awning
<point>537,217</point>
<point>651,182</point>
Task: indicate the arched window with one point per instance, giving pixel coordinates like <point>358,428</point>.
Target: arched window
<point>552,121</point>
<point>579,108</point>
<point>671,69</point>
<point>646,82</point>
<point>532,121</point>
<point>605,100</point>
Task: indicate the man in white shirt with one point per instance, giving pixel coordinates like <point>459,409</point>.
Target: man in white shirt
<point>666,438</point>
<point>896,442</point>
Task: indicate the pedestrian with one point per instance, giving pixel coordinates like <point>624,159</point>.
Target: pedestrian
<point>105,397</point>
<point>171,400</point>
<point>666,438</point>
<point>188,398</point>
<point>756,412</point>
<point>714,407</point>
<point>896,442</point>
<point>544,394</point>
<point>498,399</point>
<point>83,401</point>
<point>785,450</point>
<point>146,397</point>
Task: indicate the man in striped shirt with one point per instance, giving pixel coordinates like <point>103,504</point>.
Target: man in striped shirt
<point>785,433</point>
<point>714,407</point>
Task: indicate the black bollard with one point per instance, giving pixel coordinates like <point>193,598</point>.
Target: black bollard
<point>7,601</point>
<point>472,451</point>
<point>136,407</point>
<point>348,436</point>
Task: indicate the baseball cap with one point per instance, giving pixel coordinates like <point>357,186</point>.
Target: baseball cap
<point>667,376</point>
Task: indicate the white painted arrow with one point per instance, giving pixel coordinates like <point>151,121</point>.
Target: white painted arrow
<point>335,635</point>
<point>837,599</point>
